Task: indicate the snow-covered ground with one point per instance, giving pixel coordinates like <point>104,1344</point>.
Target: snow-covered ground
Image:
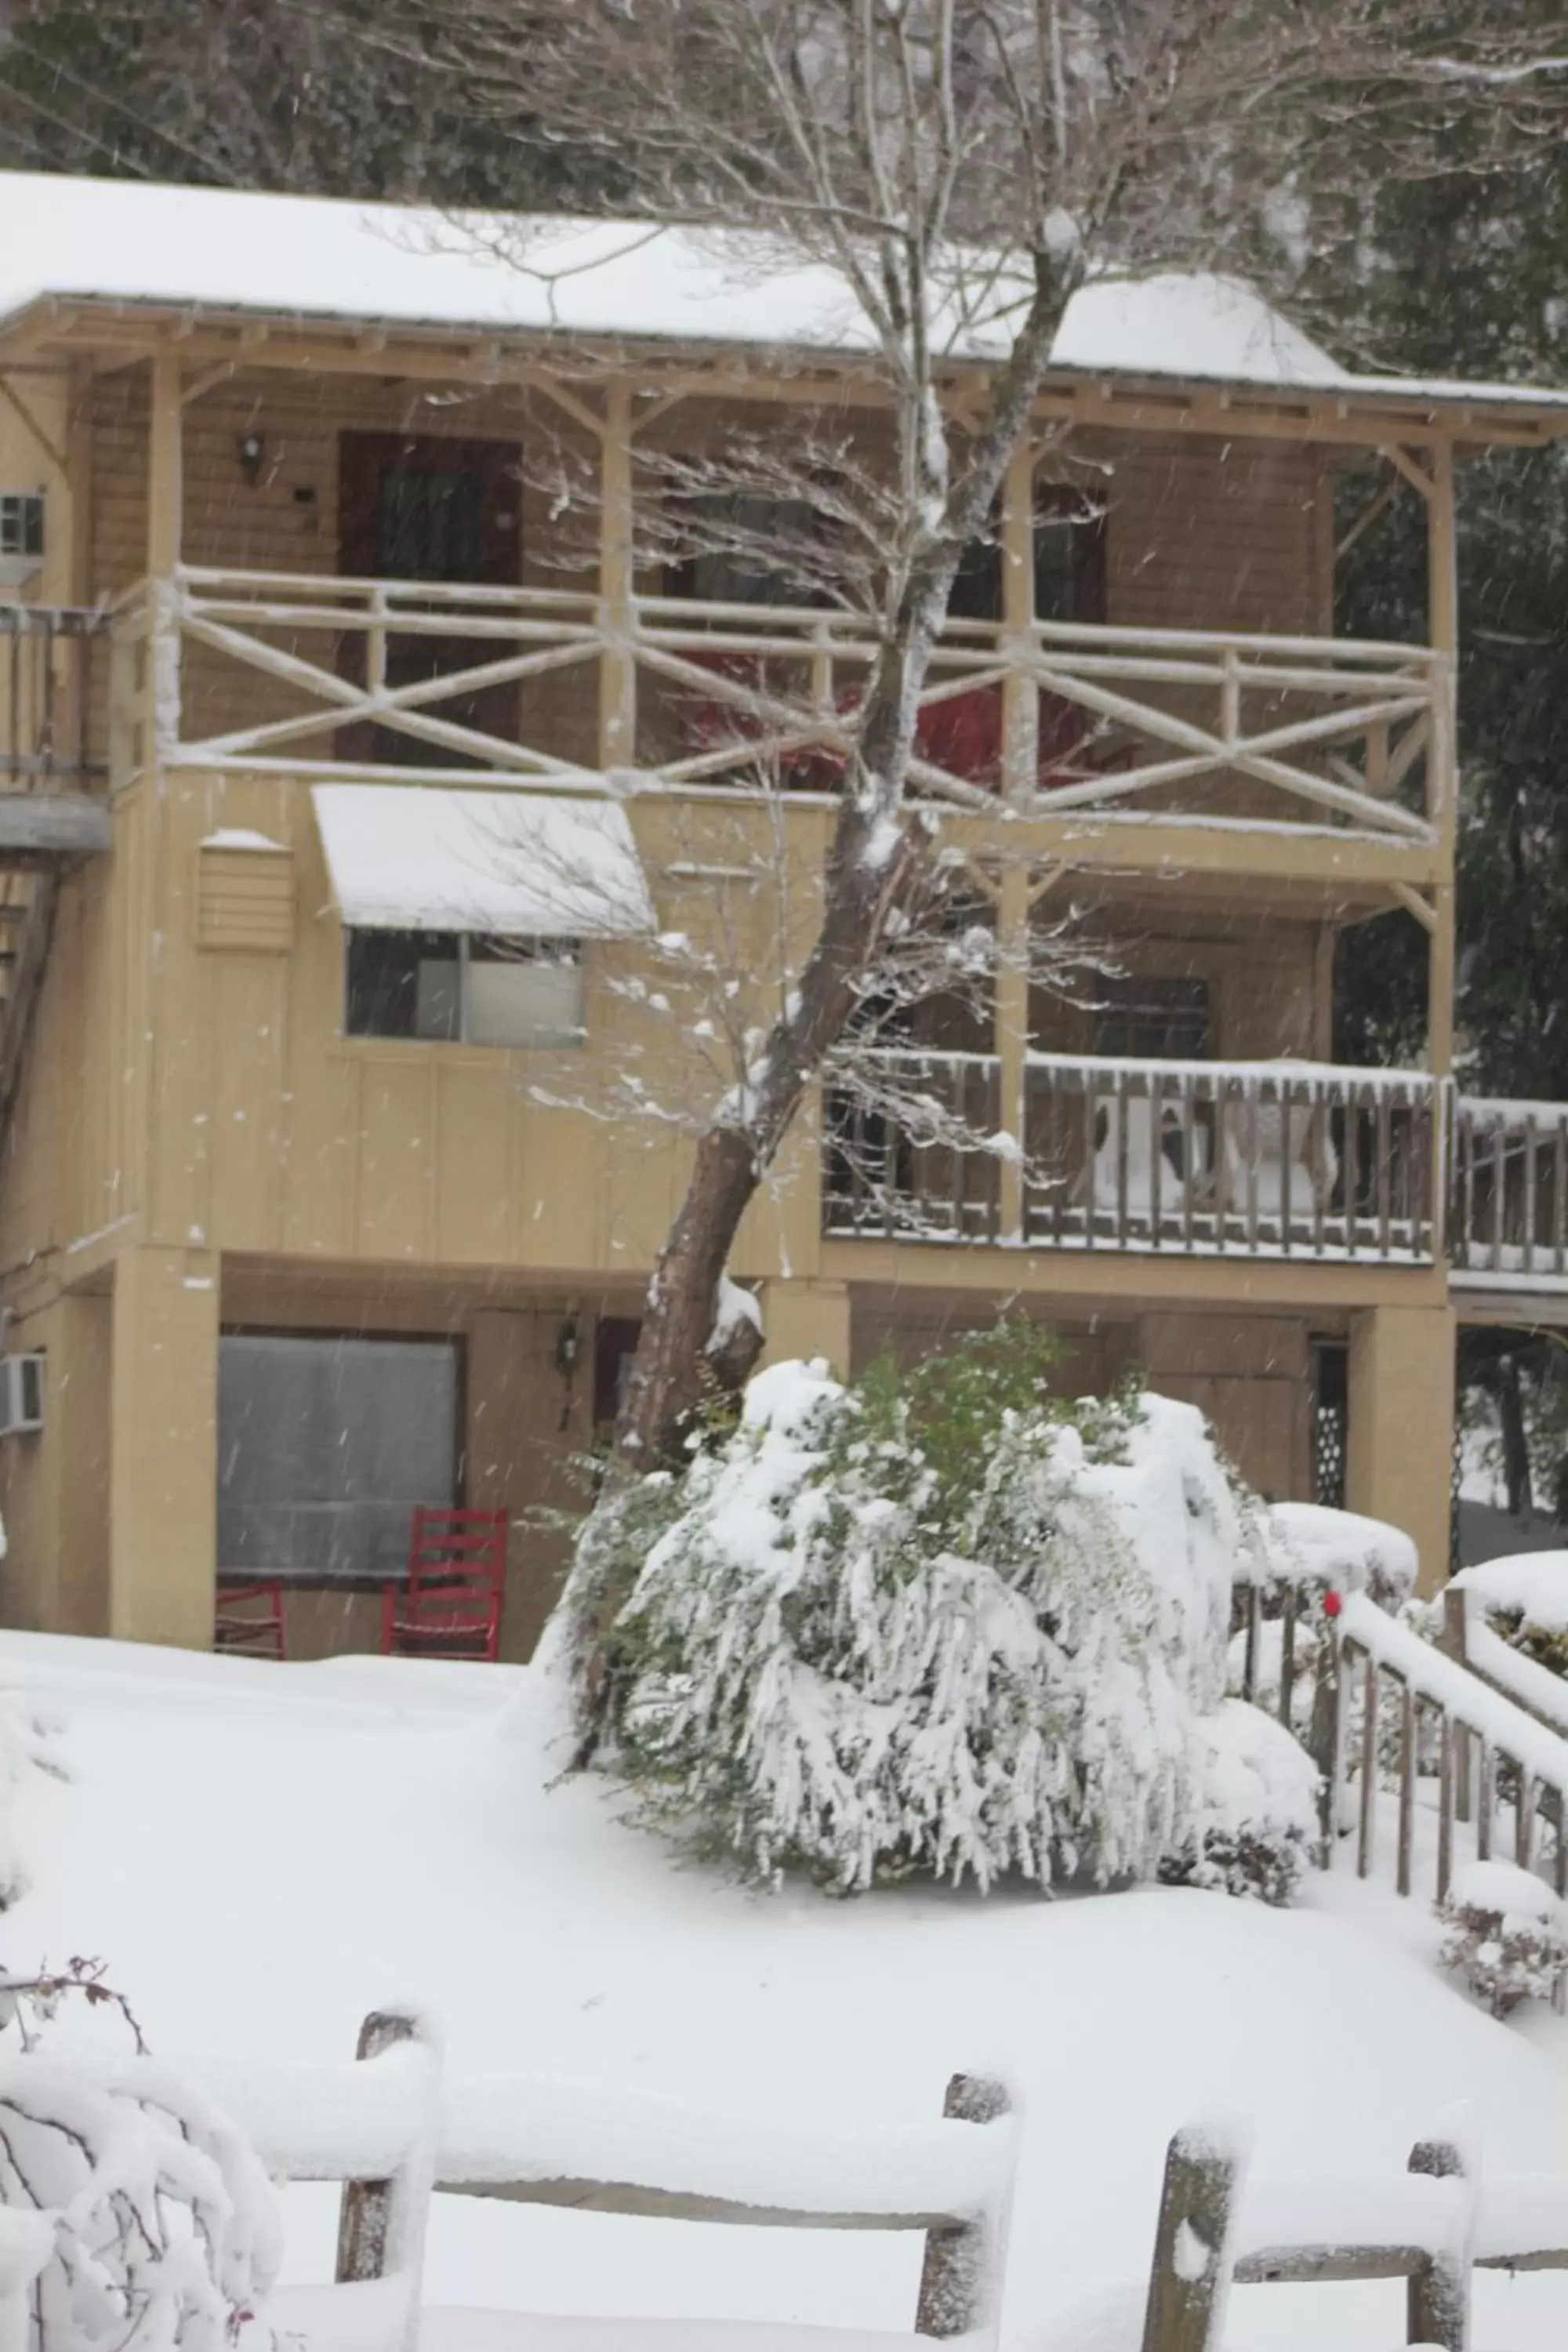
<point>264,1853</point>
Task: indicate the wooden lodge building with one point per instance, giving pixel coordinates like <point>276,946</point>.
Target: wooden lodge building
<point>352,790</point>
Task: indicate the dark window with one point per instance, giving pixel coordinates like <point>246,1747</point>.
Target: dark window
<point>404,984</point>
<point>478,991</point>
<point>1070,563</point>
<point>325,1445</point>
<point>431,524</point>
<point>740,548</point>
<point>21,523</point>
<point>1153,1020</point>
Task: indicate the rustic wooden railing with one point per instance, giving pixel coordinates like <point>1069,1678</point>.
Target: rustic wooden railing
<point>1492,1759</point>
<point>902,1148</point>
<point>48,658</point>
<point>1509,1218</point>
<point>1433,2227</point>
<point>393,2132</point>
<point>1275,1159</point>
<point>697,693</point>
<point>1255,1160</point>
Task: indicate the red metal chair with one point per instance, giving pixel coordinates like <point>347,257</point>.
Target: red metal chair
<point>249,1621</point>
<point>451,1606</point>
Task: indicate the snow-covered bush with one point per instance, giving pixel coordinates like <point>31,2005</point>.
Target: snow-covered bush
<point>1507,1935</point>
<point>136,2218</point>
<point>1525,1599</point>
<point>928,1624</point>
<point>1257,1808</point>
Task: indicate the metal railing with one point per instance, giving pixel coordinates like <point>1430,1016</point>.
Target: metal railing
<point>1256,1160</point>
<point>49,656</point>
<point>1212,1157</point>
<point>1509,1181</point>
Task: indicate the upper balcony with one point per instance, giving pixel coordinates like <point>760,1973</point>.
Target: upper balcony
<point>1109,740</point>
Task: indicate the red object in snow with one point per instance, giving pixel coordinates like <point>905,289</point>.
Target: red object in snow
<point>1333,1604</point>
<point>451,1606</point>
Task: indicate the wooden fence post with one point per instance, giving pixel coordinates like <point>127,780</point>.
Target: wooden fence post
<point>375,2216</point>
<point>1191,2264</point>
<point>1437,2298</point>
<point>958,2276</point>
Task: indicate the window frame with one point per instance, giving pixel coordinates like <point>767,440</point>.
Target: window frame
<point>335,1334</point>
<point>576,958</point>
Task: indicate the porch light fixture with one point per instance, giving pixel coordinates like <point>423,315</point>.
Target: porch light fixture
<point>251,450</point>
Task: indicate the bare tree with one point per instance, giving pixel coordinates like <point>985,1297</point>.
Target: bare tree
<point>963,166</point>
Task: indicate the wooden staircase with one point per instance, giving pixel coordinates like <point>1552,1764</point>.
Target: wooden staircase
<point>54,779</point>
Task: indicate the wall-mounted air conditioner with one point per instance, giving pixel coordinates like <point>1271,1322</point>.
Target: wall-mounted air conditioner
<point>21,1394</point>
<point>21,537</point>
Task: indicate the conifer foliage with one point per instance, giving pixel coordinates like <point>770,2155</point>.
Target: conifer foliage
<point>930,1624</point>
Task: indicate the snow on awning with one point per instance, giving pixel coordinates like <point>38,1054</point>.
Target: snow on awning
<point>530,865</point>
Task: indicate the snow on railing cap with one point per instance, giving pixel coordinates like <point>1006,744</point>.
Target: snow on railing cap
<point>1309,1543</point>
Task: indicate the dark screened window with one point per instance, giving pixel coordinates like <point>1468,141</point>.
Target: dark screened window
<point>456,988</point>
<point>740,549</point>
<point>404,984</point>
<point>1153,1020</point>
<point>325,1445</point>
<point>1070,564</point>
<point>430,523</point>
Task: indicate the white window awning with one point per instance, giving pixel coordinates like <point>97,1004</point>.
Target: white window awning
<point>418,857</point>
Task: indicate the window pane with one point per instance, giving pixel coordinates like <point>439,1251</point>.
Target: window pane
<point>326,1444</point>
<point>525,994</point>
<point>977,584</point>
<point>402,985</point>
<point>430,524</point>
<point>1153,1020</point>
<point>735,569</point>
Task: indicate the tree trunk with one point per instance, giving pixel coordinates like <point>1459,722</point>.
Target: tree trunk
<point>876,856</point>
<point>1515,1442</point>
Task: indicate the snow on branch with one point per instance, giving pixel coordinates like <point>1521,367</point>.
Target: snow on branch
<point>136,2217</point>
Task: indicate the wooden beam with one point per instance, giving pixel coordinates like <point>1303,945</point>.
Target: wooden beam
<point>618,665</point>
<point>69,825</point>
<point>9,393</point>
<point>1421,482</point>
<point>165,464</point>
<point>1020,695</point>
<point>1012,1036</point>
<point>1414,903</point>
<point>1442,557</point>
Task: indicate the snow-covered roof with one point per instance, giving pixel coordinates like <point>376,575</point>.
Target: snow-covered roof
<point>377,264</point>
<point>512,864</point>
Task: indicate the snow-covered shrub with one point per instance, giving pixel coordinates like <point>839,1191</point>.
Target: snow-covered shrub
<point>1257,1810</point>
<point>1507,1935</point>
<point>1525,1599</point>
<point>137,2219</point>
<point>926,1625</point>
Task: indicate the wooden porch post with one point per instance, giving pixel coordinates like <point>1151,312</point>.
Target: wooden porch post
<point>1012,1035</point>
<point>1443,625</point>
<point>166,498</point>
<point>1020,696</point>
<point>618,665</point>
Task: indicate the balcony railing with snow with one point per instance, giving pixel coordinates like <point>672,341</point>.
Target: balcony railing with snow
<point>292,671</point>
<point>1258,1159</point>
<point>1510,1214</point>
<point>49,655</point>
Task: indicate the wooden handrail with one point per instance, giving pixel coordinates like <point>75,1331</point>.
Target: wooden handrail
<point>1293,714</point>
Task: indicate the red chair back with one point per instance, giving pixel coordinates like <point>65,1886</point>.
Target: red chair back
<point>451,1606</point>
<point>250,1620</point>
